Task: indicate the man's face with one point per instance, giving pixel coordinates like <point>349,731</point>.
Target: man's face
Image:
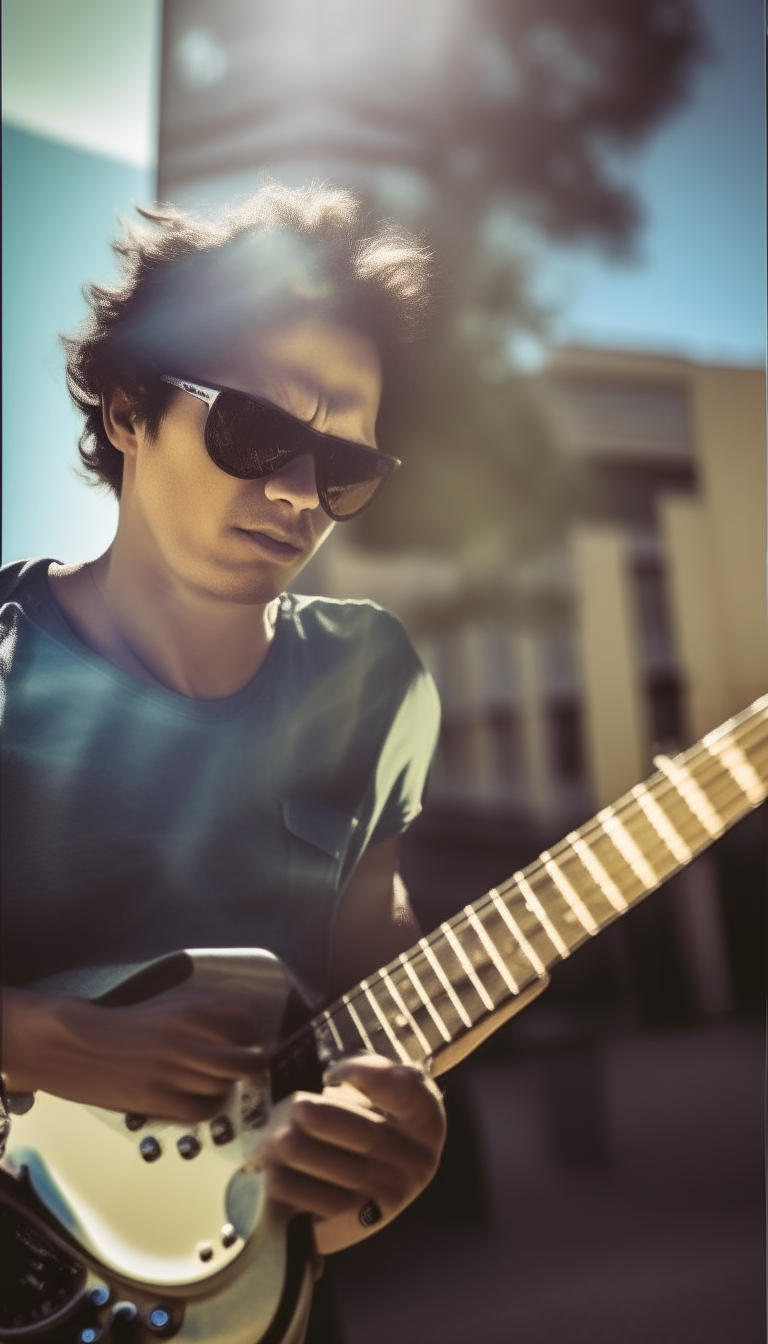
<point>243,541</point>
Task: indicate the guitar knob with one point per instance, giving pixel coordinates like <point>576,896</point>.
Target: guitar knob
<point>90,1334</point>
<point>150,1149</point>
<point>228,1236</point>
<point>222,1130</point>
<point>188,1146</point>
<point>134,1121</point>
<point>124,1319</point>
<point>160,1321</point>
<point>99,1296</point>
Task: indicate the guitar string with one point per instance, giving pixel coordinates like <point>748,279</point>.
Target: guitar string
<point>746,732</point>
<point>662,788</point>
<point>661,792</point>
<point>712,773</point>
<point>461,922</point>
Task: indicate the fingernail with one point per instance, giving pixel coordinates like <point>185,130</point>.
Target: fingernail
<point>336,1070</point>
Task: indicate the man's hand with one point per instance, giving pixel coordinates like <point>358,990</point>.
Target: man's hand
<point>170,1056</point>
<point>375,1133</point>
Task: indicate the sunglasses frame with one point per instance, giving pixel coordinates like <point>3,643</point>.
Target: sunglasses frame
<point>316,439</point>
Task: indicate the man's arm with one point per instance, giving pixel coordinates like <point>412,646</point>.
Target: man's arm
<point>374,921</point>
<point>173,1056</point>
<point>377,1130</point>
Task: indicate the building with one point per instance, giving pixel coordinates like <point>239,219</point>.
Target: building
<point>648,628</point>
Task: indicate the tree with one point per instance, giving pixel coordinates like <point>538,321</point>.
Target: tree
<point>528,102</point>
<point>452,114</point>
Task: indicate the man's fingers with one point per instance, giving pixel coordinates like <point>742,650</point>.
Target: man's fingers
<point>187,1081</point>
<point>303,1192</point>
<point>401,1092</point>
<point>387,1173</point>
<point>300,1152</point>
<point>337,1122</point>
<point>226,1063</point>
<point>181,1106</point>
<point>354,1148</point>
<point>235,1019</point>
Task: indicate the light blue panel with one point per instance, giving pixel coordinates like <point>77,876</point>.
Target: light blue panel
<point>60,205</point>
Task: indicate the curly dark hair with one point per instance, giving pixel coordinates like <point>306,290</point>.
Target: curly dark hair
<point>189,285</point>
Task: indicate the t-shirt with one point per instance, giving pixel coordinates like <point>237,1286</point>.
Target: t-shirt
<point>136,821</point>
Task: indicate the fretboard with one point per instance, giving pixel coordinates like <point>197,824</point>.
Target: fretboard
<point>472,966</point>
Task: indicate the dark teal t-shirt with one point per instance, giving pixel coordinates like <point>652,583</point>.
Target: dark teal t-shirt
<point>136,821</point>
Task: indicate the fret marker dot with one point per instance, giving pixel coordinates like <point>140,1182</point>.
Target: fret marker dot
<point>400,1020</point>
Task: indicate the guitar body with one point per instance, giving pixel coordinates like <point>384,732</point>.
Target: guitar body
<point>170,1217</point>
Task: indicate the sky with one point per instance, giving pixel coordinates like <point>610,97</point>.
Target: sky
<point>79,110</point>
<point>698,285</point>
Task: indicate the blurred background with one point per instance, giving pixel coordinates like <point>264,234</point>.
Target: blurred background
<point>576,544</point>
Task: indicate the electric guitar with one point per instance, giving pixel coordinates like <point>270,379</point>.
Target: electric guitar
<point>124,1227</point>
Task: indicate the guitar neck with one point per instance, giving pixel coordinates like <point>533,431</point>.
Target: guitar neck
<point>469,969</point>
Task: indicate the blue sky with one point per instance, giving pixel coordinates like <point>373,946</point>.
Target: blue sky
<point>78,150</point>
<point>698,285</point>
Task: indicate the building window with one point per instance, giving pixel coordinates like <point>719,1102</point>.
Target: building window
<point>566,746</point>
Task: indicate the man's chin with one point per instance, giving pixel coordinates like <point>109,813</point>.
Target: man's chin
<point>249,585</point>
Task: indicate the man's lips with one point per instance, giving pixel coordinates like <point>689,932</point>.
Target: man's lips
<point>280,547</point>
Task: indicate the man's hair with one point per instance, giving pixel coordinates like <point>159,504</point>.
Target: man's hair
<point>190,285</point>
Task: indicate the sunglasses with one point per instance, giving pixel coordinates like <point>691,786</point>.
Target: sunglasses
<point>248,437</point>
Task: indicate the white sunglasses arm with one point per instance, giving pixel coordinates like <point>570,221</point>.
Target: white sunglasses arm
<point>206,394</point>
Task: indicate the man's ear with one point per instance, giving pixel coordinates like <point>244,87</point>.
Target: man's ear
<point>119,417</point>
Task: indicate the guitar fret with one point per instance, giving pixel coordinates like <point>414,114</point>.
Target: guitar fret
<point>407,1014</point>
<point>534,904</point>
<point>363,1034</point>
<point>399,1049</point>
<point>725,748</point>
<point>529,924</point>
<point>414,1001</point>
<point>492,950</point>
<point>445,982</point>
<point>628,848</point>
<point>569,893</point>
<point>662,825</point>
<point>692,794</point>
<point>329,1019</point>
<point>468,968</point>
<point>597,872</point>
<point>415,981</point>
<point>514,928</point>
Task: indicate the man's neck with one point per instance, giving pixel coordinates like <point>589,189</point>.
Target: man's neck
<point>138,616</point>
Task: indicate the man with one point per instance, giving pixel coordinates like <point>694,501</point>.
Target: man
<point>193,758</point>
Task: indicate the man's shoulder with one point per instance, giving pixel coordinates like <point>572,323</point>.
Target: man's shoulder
<point>344,624</point>
<point>19,577</point>
<point>357,647</point>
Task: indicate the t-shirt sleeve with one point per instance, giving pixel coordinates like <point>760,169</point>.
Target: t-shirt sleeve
<point>405,758</point>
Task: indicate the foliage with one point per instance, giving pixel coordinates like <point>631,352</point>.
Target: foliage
<point>467,119</point>
<point>541,108</point>
<point>482,478</point>
<point>550,97</point>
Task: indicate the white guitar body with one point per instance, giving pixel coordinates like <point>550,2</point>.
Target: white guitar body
<point>196,1230</point>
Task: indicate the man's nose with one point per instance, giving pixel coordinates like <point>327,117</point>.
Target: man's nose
<point>294,483</point>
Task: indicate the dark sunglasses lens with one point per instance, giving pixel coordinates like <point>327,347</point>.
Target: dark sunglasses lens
<point>349,479</point>
<point>247,439</point>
